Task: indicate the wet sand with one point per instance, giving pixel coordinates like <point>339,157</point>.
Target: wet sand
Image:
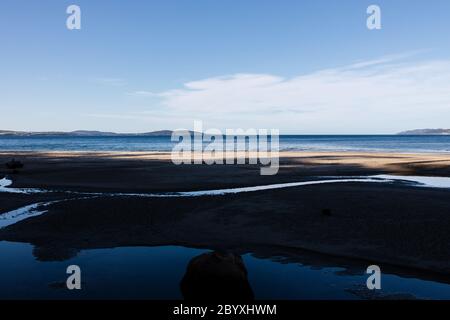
<point>383,223</point>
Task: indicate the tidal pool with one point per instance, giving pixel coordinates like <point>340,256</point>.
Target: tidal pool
<point>156,272</point>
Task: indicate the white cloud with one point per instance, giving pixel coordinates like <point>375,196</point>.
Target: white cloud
<point>143,93</point>
<point>379,96</point>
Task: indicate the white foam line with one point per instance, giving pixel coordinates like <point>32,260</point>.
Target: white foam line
<point>420,181</point>
<point>20,214</point>
<point>220,192</point>
<point>5,183</point>
<point>416,181</point>
<point>276,186</point>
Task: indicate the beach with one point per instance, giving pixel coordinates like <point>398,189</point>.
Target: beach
<point>399,225</point>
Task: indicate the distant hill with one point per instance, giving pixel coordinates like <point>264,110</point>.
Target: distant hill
<point>426,132</point>
<point>82,133</point>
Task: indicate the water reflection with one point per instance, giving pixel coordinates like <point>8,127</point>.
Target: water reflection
<point>54,253</point>
<point>175,272</point>
<point>216,276</point>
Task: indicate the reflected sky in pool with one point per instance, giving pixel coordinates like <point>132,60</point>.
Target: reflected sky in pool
<point>156,272</point>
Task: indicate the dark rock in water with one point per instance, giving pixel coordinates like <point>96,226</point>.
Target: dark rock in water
<point>216,276</point>
<point>14,164</point>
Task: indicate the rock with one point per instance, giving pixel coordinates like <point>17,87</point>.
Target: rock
<point>14,164</point>
<point>216,276</point>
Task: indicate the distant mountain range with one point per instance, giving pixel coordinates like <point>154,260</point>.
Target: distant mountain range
<point>81,133</point>
<point>161,133</point>
<point>441,132</point>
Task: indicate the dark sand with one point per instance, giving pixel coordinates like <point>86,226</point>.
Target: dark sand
<point>379,223</point>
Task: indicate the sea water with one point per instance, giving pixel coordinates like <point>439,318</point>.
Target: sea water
<point>382,143</point>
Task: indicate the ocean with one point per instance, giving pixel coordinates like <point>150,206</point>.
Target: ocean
<point>373,143</point>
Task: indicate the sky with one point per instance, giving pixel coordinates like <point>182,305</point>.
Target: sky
<point>300,66</point>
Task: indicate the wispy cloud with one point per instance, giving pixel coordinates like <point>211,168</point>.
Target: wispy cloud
<point>144,93</point>
<point>381,95</point>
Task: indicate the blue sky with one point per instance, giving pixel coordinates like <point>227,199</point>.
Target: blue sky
<point>298,66</point>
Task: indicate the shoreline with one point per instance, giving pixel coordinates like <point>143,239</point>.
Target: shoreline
<point>289,153</point>
<point>166,155</point>
<point>138,171</point>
